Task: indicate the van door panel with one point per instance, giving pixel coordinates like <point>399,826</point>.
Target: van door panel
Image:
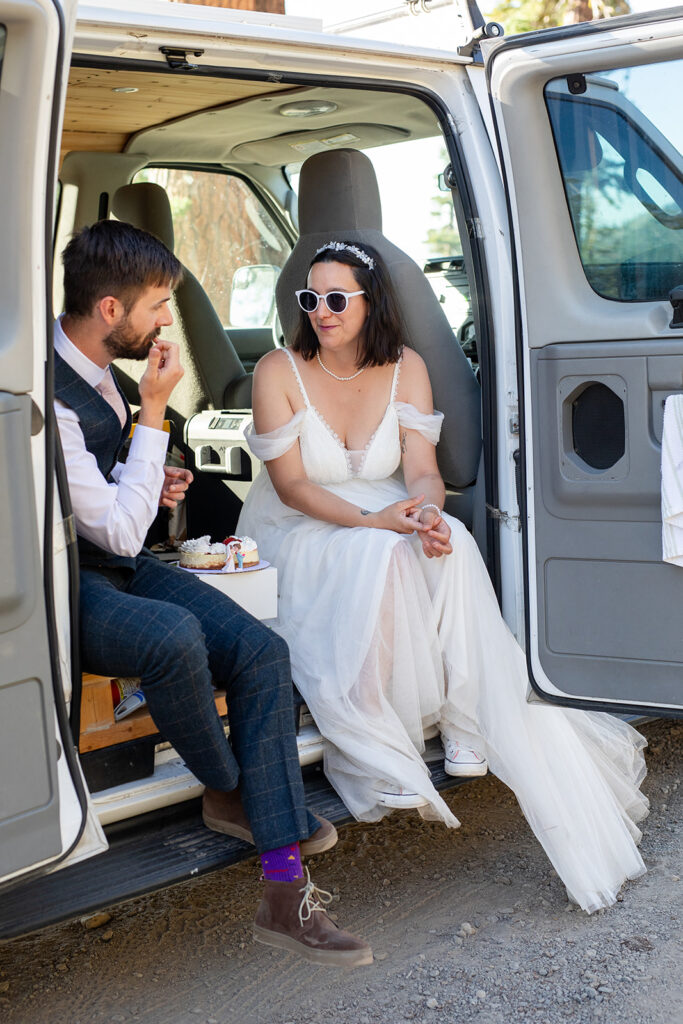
<point>42,803</point>
<point>595,184</point>
<point>29,807</point>
<point>606,613</point>
<point>20,560</point>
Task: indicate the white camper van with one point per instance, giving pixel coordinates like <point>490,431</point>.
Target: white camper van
<point>553,294</point>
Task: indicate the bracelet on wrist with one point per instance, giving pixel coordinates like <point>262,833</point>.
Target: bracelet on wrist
<point>430,505</point>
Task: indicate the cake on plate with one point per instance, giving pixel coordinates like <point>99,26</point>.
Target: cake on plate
<point>244,551</point>
<point>201,555</point>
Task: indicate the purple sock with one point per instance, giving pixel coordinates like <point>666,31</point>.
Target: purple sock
<point>283,864</point>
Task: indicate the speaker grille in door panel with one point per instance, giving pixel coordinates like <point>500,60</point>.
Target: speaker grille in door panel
<point>598,426</point>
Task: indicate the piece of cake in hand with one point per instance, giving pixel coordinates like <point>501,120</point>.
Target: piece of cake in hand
<point>201,555</point>
<point>244,551</point>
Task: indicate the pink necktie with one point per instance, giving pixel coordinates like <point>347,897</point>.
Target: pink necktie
<point>110,393</point>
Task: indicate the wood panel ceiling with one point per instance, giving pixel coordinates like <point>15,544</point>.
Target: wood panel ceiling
<point>98,119</point>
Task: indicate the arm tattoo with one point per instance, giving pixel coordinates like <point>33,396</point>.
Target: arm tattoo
<point>404,439</point>
<point>365,512</point>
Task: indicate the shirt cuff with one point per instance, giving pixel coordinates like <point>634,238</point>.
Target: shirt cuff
<point>148,444</point>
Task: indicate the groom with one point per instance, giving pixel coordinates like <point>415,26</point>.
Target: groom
<point>142,618</point>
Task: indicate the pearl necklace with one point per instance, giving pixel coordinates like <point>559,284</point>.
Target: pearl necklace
<point>352,377</point>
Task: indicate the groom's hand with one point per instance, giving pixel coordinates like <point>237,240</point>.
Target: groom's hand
<point>157,382</point>
<point>176,482</point>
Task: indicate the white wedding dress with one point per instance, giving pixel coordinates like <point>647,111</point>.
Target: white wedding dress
<point>385,642</point>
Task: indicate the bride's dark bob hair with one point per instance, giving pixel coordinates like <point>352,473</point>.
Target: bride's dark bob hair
<point>384,334</point>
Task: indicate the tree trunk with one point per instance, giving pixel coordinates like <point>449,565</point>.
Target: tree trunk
<point>578,10</point>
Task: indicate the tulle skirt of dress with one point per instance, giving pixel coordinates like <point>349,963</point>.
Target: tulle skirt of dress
<point>385,642</point>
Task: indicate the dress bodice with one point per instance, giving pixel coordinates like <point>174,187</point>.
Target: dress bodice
<point>326,458</point>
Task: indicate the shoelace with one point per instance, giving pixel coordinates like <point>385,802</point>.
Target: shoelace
<point>313,899</point>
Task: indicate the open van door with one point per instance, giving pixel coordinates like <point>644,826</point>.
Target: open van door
<point>44,808</point>
<point>591,145</point>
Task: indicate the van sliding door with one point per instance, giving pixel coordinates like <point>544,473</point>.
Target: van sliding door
<point>43,804</point>
<point>592,142</point>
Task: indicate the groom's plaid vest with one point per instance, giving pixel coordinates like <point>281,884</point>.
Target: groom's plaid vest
<point>104,437</point>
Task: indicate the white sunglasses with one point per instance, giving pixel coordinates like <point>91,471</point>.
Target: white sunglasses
<point>335,301</point>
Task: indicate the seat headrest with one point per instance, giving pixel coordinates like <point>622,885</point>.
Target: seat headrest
<point>349,177</point>
<point>145,206</point>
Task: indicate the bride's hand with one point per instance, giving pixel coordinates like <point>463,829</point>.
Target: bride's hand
<point>399,517</point>
<point>436,538</point>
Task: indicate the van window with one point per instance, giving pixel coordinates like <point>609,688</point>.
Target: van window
<point>221,226</point>
<point>619,140</point>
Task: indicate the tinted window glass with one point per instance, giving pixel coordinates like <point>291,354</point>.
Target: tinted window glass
<point>620,142</point>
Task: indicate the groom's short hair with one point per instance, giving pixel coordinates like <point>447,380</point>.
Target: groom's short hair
<point>114,258</point>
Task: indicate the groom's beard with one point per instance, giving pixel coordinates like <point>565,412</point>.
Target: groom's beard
<point>124,343</point>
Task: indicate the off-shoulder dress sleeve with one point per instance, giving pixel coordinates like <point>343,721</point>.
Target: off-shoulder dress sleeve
<point>427,424</point>
<point>276,442</point>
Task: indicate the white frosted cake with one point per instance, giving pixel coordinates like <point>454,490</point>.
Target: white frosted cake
<point>201,554</point>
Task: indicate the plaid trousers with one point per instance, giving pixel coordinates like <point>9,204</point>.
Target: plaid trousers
<point>178,635</point>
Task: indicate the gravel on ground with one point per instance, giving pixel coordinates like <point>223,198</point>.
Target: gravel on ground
<point>468,927</point>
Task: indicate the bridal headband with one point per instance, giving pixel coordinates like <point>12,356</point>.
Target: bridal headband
<point>368,260</point>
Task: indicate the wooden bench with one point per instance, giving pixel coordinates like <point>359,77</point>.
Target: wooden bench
<point>98,727</point>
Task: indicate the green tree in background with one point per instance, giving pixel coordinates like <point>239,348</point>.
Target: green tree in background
<point>528,15</point>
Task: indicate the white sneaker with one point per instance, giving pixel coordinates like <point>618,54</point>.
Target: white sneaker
<point>396,796</point>
<point>461,760</point>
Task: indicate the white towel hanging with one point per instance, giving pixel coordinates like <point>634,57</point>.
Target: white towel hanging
<point>672,481</point>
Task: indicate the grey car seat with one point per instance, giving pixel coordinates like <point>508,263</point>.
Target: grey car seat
<point>214,375</point>
<point>339,199</point>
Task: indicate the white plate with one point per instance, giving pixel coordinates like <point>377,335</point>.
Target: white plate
<point>223,572</point>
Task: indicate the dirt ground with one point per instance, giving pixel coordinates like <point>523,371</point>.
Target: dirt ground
<point>467,926</point>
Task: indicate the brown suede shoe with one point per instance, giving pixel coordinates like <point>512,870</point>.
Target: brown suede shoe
<point>292,916</point>
<point>324,838</point>
<point>223,812</point>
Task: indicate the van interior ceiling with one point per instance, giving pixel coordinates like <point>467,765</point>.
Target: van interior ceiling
<point>159,117</point>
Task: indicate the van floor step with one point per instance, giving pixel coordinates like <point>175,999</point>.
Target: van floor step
<point>146,853</point>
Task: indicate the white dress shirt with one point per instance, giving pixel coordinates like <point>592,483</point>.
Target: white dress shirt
<point>115,516</point>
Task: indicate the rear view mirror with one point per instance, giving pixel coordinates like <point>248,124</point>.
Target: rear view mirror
<point>252,295</point>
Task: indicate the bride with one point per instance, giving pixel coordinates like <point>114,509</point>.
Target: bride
<point>390,617</point>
